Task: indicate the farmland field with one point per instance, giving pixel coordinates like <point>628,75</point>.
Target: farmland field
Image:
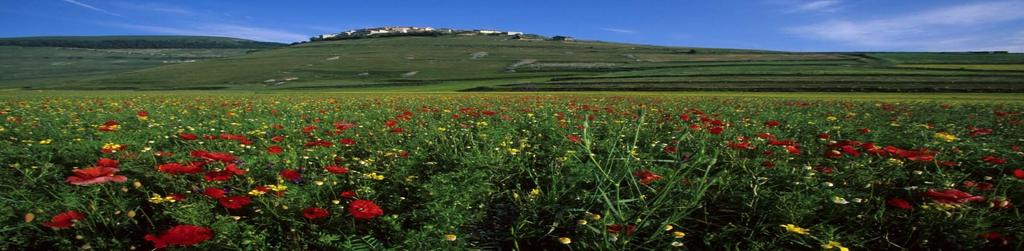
<point>299,171</point>
<point>501,63</point>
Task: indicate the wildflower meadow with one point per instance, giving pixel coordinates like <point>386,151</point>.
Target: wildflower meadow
<point>524,172</point>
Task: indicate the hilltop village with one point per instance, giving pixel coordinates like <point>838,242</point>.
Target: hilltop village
<point>392,31</point>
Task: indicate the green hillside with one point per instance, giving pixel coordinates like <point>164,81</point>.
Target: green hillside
<point>138,42</point>
<point>46,61</point>
<point>500,63</point>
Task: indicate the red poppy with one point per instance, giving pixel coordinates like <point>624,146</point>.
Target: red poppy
<point>364,209</point>
<point>277,138</point>
<point>175,168</point>
<point>347,141</point>
<point>348,194</point>
<point>1019,173</point>
<point>573,138</point>
<point>177,197</point>
<point>234,169</point>
<point>646,177</point>
<point>793,150</point>
<point>742,145</point>
<point>772,123</point>
<point>110,126</point>
<point>994,160</point>
<point>716,130</point>
<point>218,175</point>
<point>824,135</point>
<point>995,237</point>
<point>142,114</point>
<point>899,203</point>
<point>952,196</point>
<point>313,213</point>
<point>64,220</point>
<point>180,235</point>
<point>234,202</point>
<point>105,162</point>
<point>187,136</point>
<point>275,150</point>
<point>215,193</point>
<point>616,229</point>
<point>320,143</point>
<point>214,156</point>
<point>291,175</point>
<point>336,169</point>
<point>95,175</point>
<point>391,123</point>
<point>670,150</point>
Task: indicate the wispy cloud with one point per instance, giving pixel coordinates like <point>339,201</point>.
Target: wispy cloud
<point>816,6</point>
<point>617,30</point>
<point>155,7</point>
<point>947,28</point>
<point>87,6</point>
<point>224,30</point>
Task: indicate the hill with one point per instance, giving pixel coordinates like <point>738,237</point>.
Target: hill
<point>138,42</point>
<point>500,63</point>
<point>45,61</point>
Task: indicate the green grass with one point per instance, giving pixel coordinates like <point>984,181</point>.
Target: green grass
<point>994,67</point>
<point>48,66</point>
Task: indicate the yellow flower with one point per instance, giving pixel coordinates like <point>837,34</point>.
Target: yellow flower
<point>157,199</point>
<point>564,240</point>
<point>834,244</point>
<point>45,141</point>
<point>945,136</point>
<point>894,162</point>
<point>111,147</point>
<point>255,192</point>
<point>277,188</point>
<point>374,176</point>
<point>831,118</point>
<point>678,234</point>
<point>795,229</point>
<point>534,193</point>
<point>450,237</point>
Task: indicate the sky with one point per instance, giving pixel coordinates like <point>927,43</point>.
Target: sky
<point>788,25</point>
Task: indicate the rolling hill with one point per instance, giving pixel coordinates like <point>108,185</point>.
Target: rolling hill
<point>46,61</point>
<point>139,42</point>
<point>500,63</point>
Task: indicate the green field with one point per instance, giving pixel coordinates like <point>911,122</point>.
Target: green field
<point>499,63</point>
<point>303,170</point>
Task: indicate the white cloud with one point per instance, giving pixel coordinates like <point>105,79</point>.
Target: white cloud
<point>947,28</point>
<point>816,6</point>
<point>617,30</point>
<point>83,5</point>
<point>224,30</point>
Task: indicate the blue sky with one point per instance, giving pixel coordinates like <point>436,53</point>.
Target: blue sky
<point>793,25</point>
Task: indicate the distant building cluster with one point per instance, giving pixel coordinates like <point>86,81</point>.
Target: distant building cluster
<point>407,31</point>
